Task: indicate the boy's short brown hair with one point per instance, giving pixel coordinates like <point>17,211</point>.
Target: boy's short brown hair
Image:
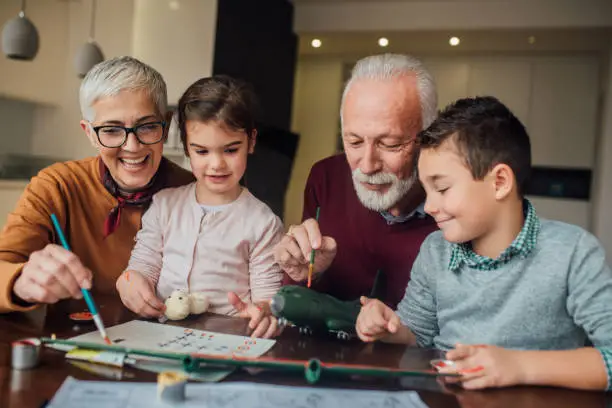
<point>486,133</point>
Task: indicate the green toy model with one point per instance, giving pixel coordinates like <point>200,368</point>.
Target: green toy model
<point>314,312</point>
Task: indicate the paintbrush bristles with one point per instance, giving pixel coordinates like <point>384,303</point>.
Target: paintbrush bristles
<point>310,268</point>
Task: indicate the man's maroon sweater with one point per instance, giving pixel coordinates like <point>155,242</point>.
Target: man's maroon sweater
<point>366,242</point>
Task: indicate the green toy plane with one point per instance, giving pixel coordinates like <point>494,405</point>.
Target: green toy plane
<point>314,312</point>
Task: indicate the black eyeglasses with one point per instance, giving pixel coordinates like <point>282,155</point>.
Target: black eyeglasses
<point>116,136</point>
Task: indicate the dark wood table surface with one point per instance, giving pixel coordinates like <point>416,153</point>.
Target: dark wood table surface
<point>31,388</point>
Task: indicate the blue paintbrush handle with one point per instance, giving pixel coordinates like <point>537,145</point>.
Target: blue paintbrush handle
<point>90,303</point>
<point>60,234</point>
<point>86,295</point>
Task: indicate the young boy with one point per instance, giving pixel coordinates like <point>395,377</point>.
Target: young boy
<point>513,297</point>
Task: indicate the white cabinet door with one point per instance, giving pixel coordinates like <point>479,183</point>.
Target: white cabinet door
<point>563,117</point>
<point>575,212</point>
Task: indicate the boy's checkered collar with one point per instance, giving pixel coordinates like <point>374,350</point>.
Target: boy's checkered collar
<point>522,245</point>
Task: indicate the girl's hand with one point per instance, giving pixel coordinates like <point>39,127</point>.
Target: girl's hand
<point>138,294</point>
<point>484,366</point>
<point>262,322</point>
<point>376,320</point>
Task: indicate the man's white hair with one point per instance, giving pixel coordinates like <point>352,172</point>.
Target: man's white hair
<point>110,77</point>
<point>388,66</point>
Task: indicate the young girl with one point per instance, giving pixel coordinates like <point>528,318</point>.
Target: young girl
<point>211,236</point>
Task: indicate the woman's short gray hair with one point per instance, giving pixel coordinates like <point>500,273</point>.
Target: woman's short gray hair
<point>386,66</point>
<point>110,77</point>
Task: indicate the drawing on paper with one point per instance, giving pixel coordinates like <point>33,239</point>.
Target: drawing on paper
<point>161,337</point>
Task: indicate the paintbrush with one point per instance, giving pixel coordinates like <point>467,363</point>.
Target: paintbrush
<point>86,294</point>
<point>312,255</point>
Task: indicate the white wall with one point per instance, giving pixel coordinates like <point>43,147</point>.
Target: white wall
<point>56,130</point>
<point>316,102</point>
<point>603,198</point>
<point>178,43</point>
<point>377,15</point>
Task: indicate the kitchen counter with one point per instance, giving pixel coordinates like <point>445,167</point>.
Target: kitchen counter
<point>10,191</point>
<point>12,184</point>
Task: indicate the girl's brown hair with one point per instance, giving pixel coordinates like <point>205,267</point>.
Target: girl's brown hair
<point>219,98</point>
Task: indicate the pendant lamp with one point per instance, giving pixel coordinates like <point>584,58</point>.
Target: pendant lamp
<point>89,54</point>
<point>20,37</point>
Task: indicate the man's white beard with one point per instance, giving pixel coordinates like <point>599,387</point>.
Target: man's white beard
<point>375,200</point>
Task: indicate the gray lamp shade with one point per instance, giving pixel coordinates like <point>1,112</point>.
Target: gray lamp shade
<point>86,57</point>
<point>20,39</point>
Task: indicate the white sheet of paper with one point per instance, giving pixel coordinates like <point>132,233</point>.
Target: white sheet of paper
<point>108,394</point>
<point>162,337</point>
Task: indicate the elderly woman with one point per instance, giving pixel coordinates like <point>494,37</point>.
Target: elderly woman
<point>99,201</point>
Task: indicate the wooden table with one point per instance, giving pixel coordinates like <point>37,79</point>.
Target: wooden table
<point>31,388</point>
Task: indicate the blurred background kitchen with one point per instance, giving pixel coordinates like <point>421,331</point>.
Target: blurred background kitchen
<point>549,60</point>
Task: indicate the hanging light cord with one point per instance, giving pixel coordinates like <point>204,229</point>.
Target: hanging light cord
<point>23,7</point>
<point>92,23</point>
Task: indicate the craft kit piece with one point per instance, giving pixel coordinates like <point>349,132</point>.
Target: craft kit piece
<point>204,374</point>
<point>112,373</point>
<point>312,368</point>
<point>167,338</point>
<point>171,387</point>
<point>312,311</point>
<point>100,357</point>
<point>104,362</point>
<point>181,304</point>
<point>25,353</point>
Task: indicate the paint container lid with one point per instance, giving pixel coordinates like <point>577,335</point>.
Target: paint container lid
<point>81,317</point>
<point>25,353</point>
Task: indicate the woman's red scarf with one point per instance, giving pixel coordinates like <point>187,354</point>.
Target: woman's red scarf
<point>138,198</point>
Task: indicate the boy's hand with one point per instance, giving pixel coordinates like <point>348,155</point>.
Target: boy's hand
<point>376,320</point>
<point>138,294</point>
<point>484,366</point>
<point>262,322</point>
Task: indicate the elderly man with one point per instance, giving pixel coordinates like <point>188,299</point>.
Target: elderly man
<point>99,201</point>
<point>370,200</point>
